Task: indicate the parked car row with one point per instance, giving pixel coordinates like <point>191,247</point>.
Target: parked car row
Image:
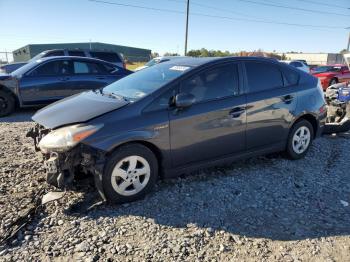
<point>49,79</point>
<point>328,74</point>
<point>108,56</point>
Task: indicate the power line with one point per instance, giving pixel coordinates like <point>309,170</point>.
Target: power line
<point>220,17</point>
<point>216,8</point>
<point>292,8</point>
<point>138,6</point>
<point>318,3</point>
<point>260,20</point>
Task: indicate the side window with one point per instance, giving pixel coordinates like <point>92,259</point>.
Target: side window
<point>263,76</point>
<point>221,81</point>
<point>110,69</point>
<point>290,76</point>
<point>54,68</point>
<point>163,101</point>
<point>76,53</point>
<point>80,68</point>
<point>55,53</point>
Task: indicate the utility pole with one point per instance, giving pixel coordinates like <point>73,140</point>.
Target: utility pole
<point>347,49</point>
<point>187,14</point>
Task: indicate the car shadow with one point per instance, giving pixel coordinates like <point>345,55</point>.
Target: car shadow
<point>21,115</point>
<point>253,198</point>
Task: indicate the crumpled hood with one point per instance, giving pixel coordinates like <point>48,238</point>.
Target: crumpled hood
<point>77,108</point>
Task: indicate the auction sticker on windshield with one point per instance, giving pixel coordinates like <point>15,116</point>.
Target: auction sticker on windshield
<point>179,68</point>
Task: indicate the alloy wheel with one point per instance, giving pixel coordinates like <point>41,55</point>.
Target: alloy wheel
<point>130,175</point>
<point>301,140</point>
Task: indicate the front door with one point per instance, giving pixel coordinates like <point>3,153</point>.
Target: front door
<point>214,126</point>
<point>46,83</point>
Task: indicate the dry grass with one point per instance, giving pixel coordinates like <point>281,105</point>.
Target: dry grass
<point>132,66</point>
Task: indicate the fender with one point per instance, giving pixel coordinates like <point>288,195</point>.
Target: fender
<point>11,85</point>
<point>109,143</point>
<point>157,138</point>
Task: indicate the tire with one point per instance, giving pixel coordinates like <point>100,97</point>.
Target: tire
<point>130,173</point>
<point>304,129</point>
<point>7,103</point>
<point>333,81</point>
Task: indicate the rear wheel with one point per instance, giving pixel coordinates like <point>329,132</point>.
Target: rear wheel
<point>130,173</point>
<point>300,139</point>
<point>7,103</point>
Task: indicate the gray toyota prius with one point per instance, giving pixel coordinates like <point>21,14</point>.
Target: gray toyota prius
<point>175,117</point>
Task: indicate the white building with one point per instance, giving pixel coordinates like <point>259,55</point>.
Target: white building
<point>316,58</point>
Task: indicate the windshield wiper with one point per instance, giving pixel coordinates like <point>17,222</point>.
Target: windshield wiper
<point>118,96</point>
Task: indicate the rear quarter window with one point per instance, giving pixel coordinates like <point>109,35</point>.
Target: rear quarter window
<point>290,76</point>
<point>106,56</point>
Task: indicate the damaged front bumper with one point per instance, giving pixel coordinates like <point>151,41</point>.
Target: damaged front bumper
<point>61,167</point>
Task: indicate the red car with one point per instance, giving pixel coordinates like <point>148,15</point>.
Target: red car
<point>331,74</point>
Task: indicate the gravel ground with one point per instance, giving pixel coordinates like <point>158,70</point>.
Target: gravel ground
<point>266,209</point>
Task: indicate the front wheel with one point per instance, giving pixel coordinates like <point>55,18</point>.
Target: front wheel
<point>7,103</point>
<point>299,139</point>
<point>130,172</point>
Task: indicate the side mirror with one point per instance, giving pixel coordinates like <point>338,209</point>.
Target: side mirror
<point>184,100</point>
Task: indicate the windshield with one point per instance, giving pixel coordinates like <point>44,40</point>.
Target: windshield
<point>23,69</point>
<point>152,62</point>
<point>323,69</point>
<point>145,82</point>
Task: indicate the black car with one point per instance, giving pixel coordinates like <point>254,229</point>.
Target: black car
<point>49,79</point>
<point>177,116</point>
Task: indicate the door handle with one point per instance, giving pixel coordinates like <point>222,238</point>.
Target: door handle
<point>287,99</point>
<point>100,77</point>
<point>237,112</point>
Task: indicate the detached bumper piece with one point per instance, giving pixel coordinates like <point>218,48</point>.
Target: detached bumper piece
<point>341,127</point>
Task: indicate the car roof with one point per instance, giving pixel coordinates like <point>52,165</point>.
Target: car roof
<point>169,57</point>
<point>73,57</point>
<point>198,61</point>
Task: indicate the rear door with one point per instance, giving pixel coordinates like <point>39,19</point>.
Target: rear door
<point>271,101</point>
<point>46,83</point>
<point>89,75</point>
<point>214,126</point>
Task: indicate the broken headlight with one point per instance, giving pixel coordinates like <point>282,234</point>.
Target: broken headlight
<point>64,138</point>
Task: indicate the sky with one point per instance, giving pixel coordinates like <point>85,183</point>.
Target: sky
<point>239,27</point>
